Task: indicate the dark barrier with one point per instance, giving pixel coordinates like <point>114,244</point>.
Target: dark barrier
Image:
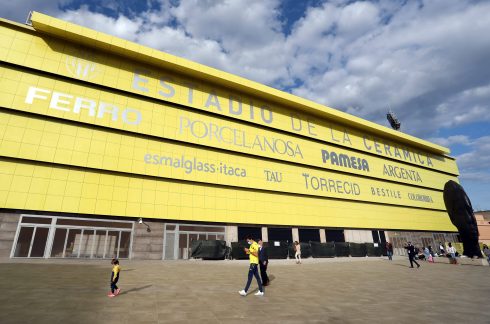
<point>211,250</point>
<point>278,249</point>
<point>322,250</point>
<point>305,250</point>
<point>358,249</point>
<point>373,251</point>
<point>237,251</point>
<point>382,247</point>
<point>342,249</point>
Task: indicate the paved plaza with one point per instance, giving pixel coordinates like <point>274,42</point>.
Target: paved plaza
<point>318,291</point>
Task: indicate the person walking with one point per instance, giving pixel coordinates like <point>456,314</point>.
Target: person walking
<point>452,251</point>
<point>253,271</point>
<point>114,278</point>
<point>263,263</point>
<point>486,252</point>
<point>411,254</point>
<point>389,250</point>
<point>297,254</point>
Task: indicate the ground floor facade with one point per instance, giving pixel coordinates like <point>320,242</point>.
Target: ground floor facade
<point>65,236</point>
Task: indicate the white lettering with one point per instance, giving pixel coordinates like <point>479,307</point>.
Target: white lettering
<point>137,79</point>
<point>56,100</point>
<point>107,108</point>
<point>134,111</point>
<point>32,94</point>
<point>64,102</point>
<point>86,104</point>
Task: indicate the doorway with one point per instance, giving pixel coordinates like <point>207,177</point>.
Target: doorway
<point>63,237</point>
<point>31,242</point>
<point>178,238</point>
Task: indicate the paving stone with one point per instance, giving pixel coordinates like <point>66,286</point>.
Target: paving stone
<point>318,291</point>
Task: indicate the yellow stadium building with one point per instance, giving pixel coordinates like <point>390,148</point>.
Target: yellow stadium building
<point>97,132</point>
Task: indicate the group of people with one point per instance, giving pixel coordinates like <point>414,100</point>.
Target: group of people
<point>259,259</point>
<point>426,253</point>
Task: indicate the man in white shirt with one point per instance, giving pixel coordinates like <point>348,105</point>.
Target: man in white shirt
<point>452,251</point>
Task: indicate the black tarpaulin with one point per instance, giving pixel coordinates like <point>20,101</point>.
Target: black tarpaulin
<point>212,249</point>
<point>305,250</point>
<point>278,249</point>
<point>237,250</point>
<point>373,251</point>
<point>357,249</point>
<point>342,249</point>
<point>322,250</point>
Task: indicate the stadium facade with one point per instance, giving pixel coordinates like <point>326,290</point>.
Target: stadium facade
<point>97,132</point>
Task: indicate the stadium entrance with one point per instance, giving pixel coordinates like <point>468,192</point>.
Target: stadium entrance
<point>61,237</point>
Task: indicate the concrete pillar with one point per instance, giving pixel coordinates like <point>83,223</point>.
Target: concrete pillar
<point>358,236</point>
<point>323,235</point>
<point>231,234</point>
<point>265,234</point>
<point>8,227</point>
<point>148,245</point>
<point>387,236</point>
<point>295,234</point>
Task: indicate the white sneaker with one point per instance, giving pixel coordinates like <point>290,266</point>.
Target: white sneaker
<point>243,292</point>
<point>259,293</point>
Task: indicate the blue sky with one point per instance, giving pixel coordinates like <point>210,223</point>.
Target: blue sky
<point>429,61</point>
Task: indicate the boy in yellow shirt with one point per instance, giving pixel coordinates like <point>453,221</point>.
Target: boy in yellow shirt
<point>253,252</point>
<point>114,278</point>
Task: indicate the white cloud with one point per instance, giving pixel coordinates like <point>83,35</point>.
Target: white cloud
<point>238,25</point>
<point>246,37</point>
<point>477,160</point>
<point>121,26</point>
<point>18,10</point>
<point>355,18</point>
<point>474,164</point>
<point>425,58</point>
<point>451,140</point>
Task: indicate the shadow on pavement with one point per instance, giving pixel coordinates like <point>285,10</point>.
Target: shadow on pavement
<point>135,289</point>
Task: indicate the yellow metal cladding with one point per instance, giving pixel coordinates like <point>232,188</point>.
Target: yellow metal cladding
<point>49,141</point>
<point>85,36</point>
<point>32,92</point>
<point>39,187</point>
<point>93,124</point>
<point>68,59</point>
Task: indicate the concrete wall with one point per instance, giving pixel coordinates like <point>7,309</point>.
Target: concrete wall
<point>358,236</point>
<point>8,226</point>
<point>148,246</point>
<point>483,221</point>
